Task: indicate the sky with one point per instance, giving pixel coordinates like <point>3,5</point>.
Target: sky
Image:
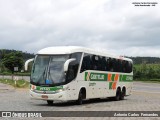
<point>116,26</point>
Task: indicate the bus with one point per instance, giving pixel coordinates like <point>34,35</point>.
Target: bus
<point>66,73</point>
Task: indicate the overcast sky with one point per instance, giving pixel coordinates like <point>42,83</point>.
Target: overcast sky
<point>115,25</point>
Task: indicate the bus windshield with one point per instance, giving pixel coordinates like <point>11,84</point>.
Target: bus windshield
<point>48,70</point>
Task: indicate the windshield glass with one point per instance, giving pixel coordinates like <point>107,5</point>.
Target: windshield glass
<point>48,70</point>
<point>39,69</point>
<point>56,72</point>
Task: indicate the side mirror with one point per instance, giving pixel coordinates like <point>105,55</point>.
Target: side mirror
<point>67,63</point>
<point>26,63</point>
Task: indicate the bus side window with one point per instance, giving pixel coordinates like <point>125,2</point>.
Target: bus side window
<point>103,64</point>
<point>106,59</point>
<point>114,65</point>
<point>95,62</point>
<point>123,66</point>
<point>110,64</point>
<point>99,63</point>
<point>129,67</point>
<point>73,66</point>
<point>87,62</point>
<point>120,66</point>
<point>86,65</point>
<point>126,67</point>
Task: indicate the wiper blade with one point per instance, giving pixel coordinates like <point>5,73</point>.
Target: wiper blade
<point>43,76</point>
<point>44,73</point>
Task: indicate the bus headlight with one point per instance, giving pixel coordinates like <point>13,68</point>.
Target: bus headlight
<point>62,89</point>
<point>32,87</point>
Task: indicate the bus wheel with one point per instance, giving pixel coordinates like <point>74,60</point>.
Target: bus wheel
<point>50,102</point>
<point>80,98</point>
<point>118,95</point>
<point>123,94</point>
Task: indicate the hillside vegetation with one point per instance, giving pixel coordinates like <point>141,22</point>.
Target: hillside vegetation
<point>9,59</point>
<point>147,72</point>
<point>146,60</point>
<point>24,54</point>
<point>145,68</point>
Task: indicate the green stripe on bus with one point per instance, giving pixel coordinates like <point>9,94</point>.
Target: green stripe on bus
<point>110,85</point>
<point>91,76</point>
<point>126,78</point>
<point>112,78</point>
<point>48,88</point>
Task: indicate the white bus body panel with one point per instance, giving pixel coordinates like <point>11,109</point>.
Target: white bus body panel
<point>100,90</point>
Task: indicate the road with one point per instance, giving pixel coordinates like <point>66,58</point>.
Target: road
<point>145,97</point>
<point>146,87</point>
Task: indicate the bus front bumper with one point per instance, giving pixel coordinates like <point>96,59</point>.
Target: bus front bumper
<point>55,96</point>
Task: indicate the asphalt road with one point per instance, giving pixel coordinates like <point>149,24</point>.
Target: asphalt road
<point>146,87</point>
<point>145,97</point>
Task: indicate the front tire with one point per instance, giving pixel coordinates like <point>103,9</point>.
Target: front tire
<point>80,98</point>
<point>50,102</point>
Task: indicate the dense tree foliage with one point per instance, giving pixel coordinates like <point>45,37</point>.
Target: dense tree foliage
<point>25,55</point>
<point>146,68</point>
<point>147,60</point>
<point>13,59</point>
<point>146,71</point>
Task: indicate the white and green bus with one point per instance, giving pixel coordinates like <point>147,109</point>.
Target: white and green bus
<point>76,73</point>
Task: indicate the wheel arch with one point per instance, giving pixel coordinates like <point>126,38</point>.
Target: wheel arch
<point>83,90</point>
<point>118,88</point>
<point>124,89</point>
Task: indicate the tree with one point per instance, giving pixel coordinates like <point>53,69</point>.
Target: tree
<point>2,54</point>
<point>13,59</point>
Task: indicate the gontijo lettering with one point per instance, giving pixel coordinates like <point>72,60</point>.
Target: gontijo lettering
<point>96,76</point>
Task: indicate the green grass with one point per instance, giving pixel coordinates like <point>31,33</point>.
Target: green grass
<point>19,83</point>
<point>16,73</point>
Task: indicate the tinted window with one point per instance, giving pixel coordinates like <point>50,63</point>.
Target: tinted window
<point>101,63</point>
<point>86,63</point>
<point>73,66</point>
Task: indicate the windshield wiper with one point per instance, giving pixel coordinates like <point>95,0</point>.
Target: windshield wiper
<point>44,73</point>
<point>42,76</point>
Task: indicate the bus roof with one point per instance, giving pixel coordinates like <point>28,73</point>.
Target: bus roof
<point>72,49</point>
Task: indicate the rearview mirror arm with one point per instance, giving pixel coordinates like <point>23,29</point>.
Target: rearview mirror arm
<point>66,64</point>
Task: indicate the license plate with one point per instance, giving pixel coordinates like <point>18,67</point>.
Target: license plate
<point>45,96</point>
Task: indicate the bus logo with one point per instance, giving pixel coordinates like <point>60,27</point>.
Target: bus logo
<point>88,76</point>
<point>95,76</point>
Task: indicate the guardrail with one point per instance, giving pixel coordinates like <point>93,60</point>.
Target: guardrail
<point>15,77</point>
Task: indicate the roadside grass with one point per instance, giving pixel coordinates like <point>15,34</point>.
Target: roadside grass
<point>17,84</point>
<point>17,73</point>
